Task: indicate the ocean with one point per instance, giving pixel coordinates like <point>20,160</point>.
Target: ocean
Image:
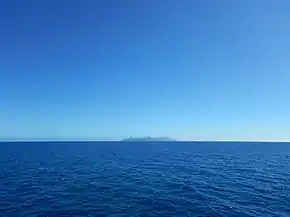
<point>144,179</point>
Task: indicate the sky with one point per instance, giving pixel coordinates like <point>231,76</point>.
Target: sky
<point>109,69</point>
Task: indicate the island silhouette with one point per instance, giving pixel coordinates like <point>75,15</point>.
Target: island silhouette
<point>148,139</point>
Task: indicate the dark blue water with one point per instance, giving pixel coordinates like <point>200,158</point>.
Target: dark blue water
<point>144,179</point>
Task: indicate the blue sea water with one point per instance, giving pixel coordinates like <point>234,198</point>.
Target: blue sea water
<point>144,179</point>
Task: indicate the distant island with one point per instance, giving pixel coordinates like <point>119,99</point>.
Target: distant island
<point>148,139</point>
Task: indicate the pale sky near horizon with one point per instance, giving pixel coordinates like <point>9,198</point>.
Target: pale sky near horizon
<point>109,69</point>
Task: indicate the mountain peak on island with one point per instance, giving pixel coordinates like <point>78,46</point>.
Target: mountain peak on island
<point>148,138</point>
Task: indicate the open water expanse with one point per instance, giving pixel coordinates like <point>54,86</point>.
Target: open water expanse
<point>144,179</point>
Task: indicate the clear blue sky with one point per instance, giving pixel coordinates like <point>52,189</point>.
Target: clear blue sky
<point>201,70</point>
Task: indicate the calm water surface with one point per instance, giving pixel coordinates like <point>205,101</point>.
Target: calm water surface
<point>144,179</point>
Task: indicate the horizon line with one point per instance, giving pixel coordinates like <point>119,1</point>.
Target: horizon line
<point>121,140</point>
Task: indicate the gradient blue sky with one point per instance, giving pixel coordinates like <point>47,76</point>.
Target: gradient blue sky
<point>193,70</point>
